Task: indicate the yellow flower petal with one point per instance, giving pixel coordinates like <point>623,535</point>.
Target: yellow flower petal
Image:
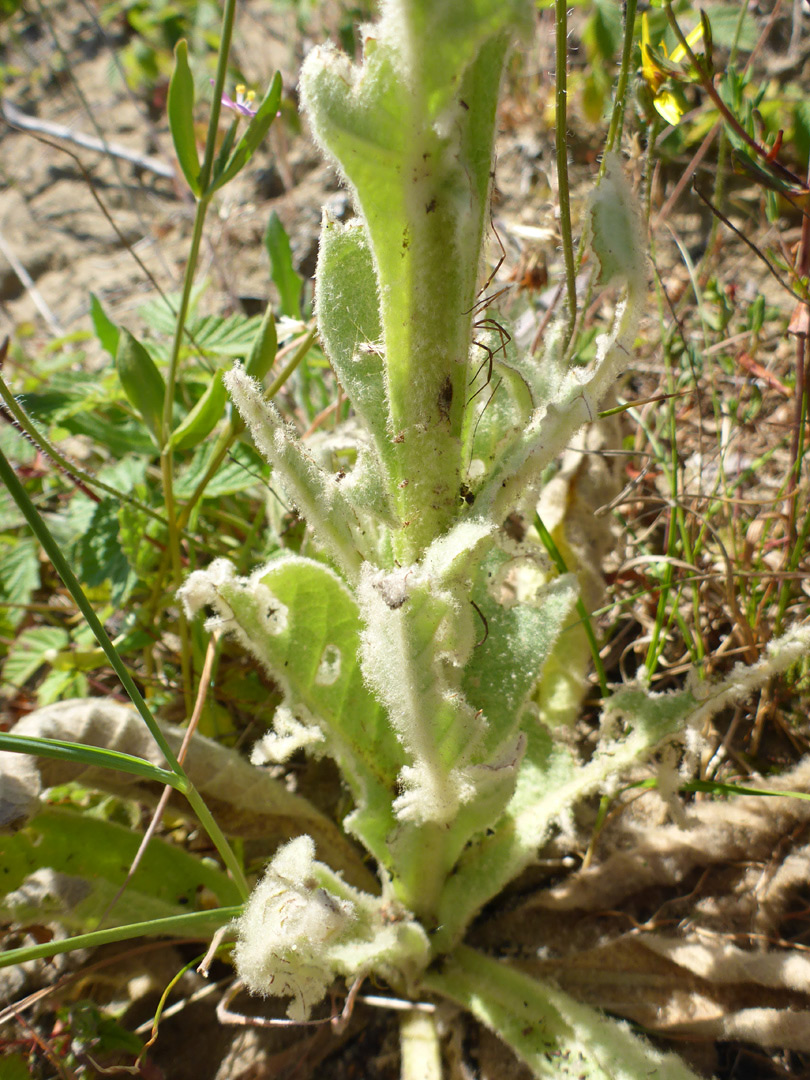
<point>667,105</point>
<point>678,53</point>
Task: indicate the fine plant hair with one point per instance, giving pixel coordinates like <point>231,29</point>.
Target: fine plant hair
<point>430,638</point>
<point>411,644</point>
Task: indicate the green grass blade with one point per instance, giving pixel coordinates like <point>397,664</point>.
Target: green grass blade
<point>80,754</point>
<point>194,924</point>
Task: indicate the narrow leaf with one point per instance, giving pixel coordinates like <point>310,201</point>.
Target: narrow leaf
<point>194,924</point>
<point>288,282</point>
<point>142,382</point>
<point>557,1037</point>
<point>76,753</point>
<point>201,420</point>
<point>265,345</point>
<point>106,330</point>
<point>181,117</point>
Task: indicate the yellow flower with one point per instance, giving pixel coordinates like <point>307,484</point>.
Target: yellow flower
<point>666,103</point>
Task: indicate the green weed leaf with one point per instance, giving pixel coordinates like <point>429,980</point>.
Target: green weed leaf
<point>142,382</point>
<point>202,419</point>
<point>101,557</point>
<point>181,117</point>
<point>19,576</point>
<point>107,332</point>
<point>90,858</point>
<point>264,348</point>
<point>30,651</point>
<point>288,282</point>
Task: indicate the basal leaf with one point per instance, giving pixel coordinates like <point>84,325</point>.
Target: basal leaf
<point>557,1037</point>
<point>68,864</point>
<point>301,622</point>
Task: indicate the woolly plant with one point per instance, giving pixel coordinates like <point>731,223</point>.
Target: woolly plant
<point>410,645</point>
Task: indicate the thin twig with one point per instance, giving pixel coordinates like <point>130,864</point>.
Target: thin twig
<point>22,120</point>
<point>202,692</point>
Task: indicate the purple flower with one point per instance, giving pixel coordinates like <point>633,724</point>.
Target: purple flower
<point>244,101</point>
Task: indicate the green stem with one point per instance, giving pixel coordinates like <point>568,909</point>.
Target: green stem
<point>25,424</point>
<point>617,116</point>
<point>561,135</point>
<point>60,563</point>
<point>419,1043</point>
<point>198,924</point>
<point>236,426</point>
<point>166,456</point>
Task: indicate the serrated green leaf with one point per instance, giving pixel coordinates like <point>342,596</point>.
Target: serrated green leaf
<point>264,348</point>
<point>30,651</point>
<point>100,555</point>
<point>142,382</point>
<point>256,130</point>
<point>244,469</point>
<point>137,534</point>
<point>288,282</point>
<point>106,330</point>
<point>60,685</point>
<point>202,419</point>
<point>19,577</point>
<point>96,855</point>
<point>160,313</point>
<point>181,117</point>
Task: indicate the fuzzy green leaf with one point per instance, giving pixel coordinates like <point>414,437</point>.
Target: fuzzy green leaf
<point>556,1036</point>
<point>515,644</point>
<point>349,323</point>
<point>302,624</point>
